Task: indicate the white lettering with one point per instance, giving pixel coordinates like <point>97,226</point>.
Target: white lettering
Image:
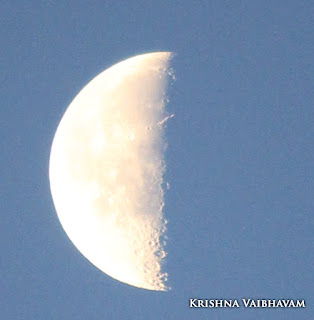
<point>246,302</point>
<point>235,304</point>
<point>228,303</point>
<point>291,304</point>
<point>219,303</point>
<point>253,304</point>
<point>285,303</point>
<point>192,303</point>
<point>300,304</point>
<point>201,303</point>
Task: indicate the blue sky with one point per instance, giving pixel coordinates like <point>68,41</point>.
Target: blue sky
<point>239,161</point>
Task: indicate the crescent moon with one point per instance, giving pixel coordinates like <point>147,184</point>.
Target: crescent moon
<point>106,170</point>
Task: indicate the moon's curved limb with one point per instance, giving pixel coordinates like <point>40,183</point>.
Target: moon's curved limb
<point>106,169</point>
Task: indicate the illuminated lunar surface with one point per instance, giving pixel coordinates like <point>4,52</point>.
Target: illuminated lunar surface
<point>106,170</point>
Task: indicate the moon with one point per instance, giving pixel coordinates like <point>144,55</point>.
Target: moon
<point>106,170</point>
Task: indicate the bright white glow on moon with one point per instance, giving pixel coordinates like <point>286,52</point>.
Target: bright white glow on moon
<point>107,166</point>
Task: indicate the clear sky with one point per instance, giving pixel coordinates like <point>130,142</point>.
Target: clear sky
<point>239,160</point>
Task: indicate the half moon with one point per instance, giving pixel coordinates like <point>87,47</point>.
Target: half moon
<point>106,170</point>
